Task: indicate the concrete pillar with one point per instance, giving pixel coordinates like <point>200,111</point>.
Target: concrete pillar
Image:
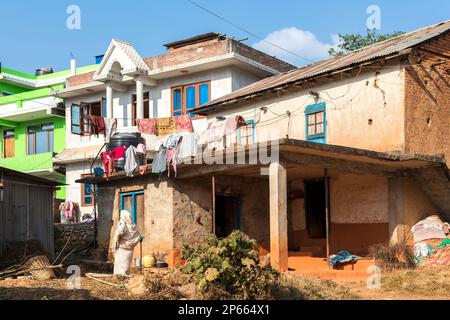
<point>109,100</point>
<point>139,99</point>
<point>407,205</point>
<point>278,216</point>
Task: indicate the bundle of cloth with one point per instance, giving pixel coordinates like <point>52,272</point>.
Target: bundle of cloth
<point>431,242</point>
<point>68,211</point>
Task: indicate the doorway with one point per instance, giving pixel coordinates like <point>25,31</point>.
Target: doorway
<point>315,209</point>
<point>228,215</point>
<point>8,143</point>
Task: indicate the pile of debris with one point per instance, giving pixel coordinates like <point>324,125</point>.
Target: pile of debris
<point>37,267</point>
<point>431,242</point>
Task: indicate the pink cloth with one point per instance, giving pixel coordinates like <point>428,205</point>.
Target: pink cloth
<point>147,126</point>
<point>183,123</point>
<point>108,164</point>
<point>172,158</point>
<point>234,123</point>
<point>141,148</point>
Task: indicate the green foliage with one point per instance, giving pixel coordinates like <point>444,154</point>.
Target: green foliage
<point>351,42</point>
<point>229,265</point>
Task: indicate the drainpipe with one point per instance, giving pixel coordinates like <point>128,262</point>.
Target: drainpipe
<point>73,67</point>
<point>327,214</point>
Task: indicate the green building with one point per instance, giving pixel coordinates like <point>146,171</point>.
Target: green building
<point>32,123</point>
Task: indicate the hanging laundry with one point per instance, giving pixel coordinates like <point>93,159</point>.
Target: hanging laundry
<point>110,128</point>
<point>132,160</point>
<point>68,211</point>
<point>234,123</point>
<point>143,169</point>
<point>183,123</point>
<point>141,148</point>
<point>147,126</point>
<point>189,145</point>
<point>118,153</point>
<point>215,131</point>
<point>160,161</point>
<point>98,124</point>
<point>172,144</point>
<point>172,140</point>
<point>108,164</point>
<point>165,126</point>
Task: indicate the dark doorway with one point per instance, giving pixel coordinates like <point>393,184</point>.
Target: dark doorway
<point>315,209</point>
<point>228,216</point>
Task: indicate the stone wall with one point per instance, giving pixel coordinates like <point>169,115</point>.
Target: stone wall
<point>82,235</point>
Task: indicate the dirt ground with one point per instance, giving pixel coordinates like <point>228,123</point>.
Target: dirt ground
<point>392,288</point>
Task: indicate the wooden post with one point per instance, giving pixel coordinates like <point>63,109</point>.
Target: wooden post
<point>213,198</point>
<point>327,213</point>
<point>278,216</point>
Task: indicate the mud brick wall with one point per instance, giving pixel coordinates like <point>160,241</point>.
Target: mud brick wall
<point>82,235</point>
<point>427,99</point>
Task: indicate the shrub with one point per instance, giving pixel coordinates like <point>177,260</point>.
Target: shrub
<point>229,268</point>
<point>393,256</point>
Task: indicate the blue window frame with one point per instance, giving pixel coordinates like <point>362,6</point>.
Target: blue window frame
<point>40,138</point>
<point>191,100</point>
<point>176,102</point>
<point>246,134</point>
<point>104,108</point>
<point>188,97</point>
<point>316,122</point>
<point>75,118</point>
<point>128,202</point>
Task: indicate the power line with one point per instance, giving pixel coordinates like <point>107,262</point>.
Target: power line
<point>247,31</point>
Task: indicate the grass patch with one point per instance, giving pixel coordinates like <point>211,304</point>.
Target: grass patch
<point>297,287</point>
<point>427,281</point>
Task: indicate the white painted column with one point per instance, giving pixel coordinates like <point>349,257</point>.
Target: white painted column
<point>139,99</point>
<point>109,100</point>
<point>278,216</point>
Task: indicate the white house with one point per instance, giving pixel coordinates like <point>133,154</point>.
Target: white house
<point>128,87</point>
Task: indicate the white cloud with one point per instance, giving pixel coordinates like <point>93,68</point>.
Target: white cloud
<point>303,43</point>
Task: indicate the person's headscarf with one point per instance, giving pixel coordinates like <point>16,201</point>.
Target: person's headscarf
<point>127,235</point>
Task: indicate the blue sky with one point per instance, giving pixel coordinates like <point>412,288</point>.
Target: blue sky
<point>34,33</point>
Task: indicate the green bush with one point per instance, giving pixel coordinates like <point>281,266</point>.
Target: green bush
<point>230,266</point>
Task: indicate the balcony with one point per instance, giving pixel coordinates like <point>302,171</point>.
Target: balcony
<point>29,163</point>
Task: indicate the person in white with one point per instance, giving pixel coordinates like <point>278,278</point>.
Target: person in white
<point>125,239</point>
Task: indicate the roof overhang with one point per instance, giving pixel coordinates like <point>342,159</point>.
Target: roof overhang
<point>315,157</point>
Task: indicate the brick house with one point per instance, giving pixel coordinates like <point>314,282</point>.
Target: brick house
<point>127,87</point>
<point>363,147</point>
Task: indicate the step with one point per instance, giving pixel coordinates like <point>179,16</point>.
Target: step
<point>315,249</point>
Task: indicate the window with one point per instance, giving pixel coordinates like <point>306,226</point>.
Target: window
<point>87,193</point>
<point>5,94</point>
<point>246,134</point>
<point>188,97</point>
<point>8,143</point>
<point>40,138</point>
<point>80,122</point>
<point>316,123</point>
<point>134,107</point>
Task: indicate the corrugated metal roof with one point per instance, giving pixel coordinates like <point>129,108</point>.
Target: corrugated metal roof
<point>76,154</point>
<point>388,48</point>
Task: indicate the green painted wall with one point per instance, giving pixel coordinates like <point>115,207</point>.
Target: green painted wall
<point>7,87</point>
<point>23,162</point>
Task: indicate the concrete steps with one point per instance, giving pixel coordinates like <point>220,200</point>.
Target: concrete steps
<point>318,267</point>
